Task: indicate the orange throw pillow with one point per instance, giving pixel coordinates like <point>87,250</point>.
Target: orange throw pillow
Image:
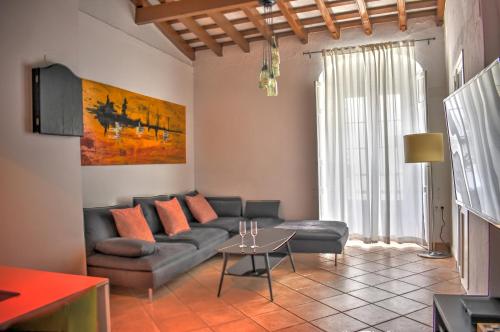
<point>201,209</point>
<point>172,217</point>
<point>132,224</point>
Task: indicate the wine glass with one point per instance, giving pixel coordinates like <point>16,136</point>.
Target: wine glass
<point>253,231</point>
<point>243,232</point>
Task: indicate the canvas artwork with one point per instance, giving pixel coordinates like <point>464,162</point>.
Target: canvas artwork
<point>127,128</point>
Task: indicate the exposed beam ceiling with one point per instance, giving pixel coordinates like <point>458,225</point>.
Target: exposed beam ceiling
<point>327,17</point>
<point>402,14</point>
<point>365,19</point>
<point>193,25</point>
<point>186,8</point>
<point>292,20</point>
<point>202,34</point>
<point>440,12</point>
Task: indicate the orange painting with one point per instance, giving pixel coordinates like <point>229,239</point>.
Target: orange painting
<point>127,128</point>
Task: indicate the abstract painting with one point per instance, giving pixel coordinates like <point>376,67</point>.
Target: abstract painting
<point>127,128</point>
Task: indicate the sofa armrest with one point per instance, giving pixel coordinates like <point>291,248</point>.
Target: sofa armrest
<point>226,206</point>
<point>262,209</point>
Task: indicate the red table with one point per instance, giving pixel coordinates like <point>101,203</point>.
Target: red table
<point>43,292</point>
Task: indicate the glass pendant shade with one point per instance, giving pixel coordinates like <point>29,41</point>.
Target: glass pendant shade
<point>264,77</point>
<point>272,90</point>
<point>270,69</point>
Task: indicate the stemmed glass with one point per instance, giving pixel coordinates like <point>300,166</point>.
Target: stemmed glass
<point>253,231</point>
<point>243,232</point>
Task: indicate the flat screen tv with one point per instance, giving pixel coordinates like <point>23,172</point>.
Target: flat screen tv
<point>473,120</point>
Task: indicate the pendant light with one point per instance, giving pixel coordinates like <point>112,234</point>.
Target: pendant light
<point>270,69</point>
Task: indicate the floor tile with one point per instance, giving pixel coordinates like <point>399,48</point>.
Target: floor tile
<point>392,261</point>
<point>372,294</point>
<point>419,280</point>
<point>306,327</point>
<point>309,300</point>
<point>397,287</point>
<point>220,315</point>
<point>415,267</point>
<point>423,316</point>
<point>244,325</point>
<point>339,322</point>
<point>401,305</point>
<point>347,285</point>
<point>404,324</point>
<point>277,320</point>
<point>181,323</point>
<point>422,295</point>
<point>395,273</point>
<point>319,292</point>
<point>371,279</point>
<point>344,302</point>
<point>298,283</point>
<point>292,299</point>
<point>258,307</point>
<point>313,310</point>
<point>371,314</point>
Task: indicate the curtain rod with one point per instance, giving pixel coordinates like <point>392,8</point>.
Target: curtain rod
<point>309,53</point>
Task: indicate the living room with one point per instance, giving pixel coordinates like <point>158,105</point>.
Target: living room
<point>275,158</point>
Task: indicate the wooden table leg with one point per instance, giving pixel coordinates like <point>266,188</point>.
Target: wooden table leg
<point>223,272</point>
<point>103,315</point>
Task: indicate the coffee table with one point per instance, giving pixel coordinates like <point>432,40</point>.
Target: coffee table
<point>257,262</point>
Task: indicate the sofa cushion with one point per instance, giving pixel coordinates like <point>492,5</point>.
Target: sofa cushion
<point>229,224</point>
<point>262,209</point>
<point>202,211</point>
<point>99,225</point>
<point>131,223</point>
<point>266,222</point>
<point>226,206</point>
<point>165,253</point>
<point>125,247</point>
<point>172,218</point>
<point>148,208</point>
<point>201,237</point>
<point>316,229</point>
<point>182,202</point>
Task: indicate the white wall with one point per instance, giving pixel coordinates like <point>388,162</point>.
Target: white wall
<point>40,176</point>
<point>110,56</point>
<point>265,148</point>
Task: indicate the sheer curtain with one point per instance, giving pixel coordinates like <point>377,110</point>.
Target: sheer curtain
<point>366,102</point>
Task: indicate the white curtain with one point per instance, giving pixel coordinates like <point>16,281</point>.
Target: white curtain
<point>366,102</point>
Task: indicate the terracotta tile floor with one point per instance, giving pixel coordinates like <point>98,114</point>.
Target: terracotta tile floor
<point>375,287</point>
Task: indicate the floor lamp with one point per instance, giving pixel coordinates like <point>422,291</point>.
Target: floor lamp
<point>426,148</point>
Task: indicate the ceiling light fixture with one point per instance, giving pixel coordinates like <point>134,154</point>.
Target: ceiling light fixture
<point>270,54</point>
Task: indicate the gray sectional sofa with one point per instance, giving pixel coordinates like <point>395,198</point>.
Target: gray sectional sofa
<point>148,266</point>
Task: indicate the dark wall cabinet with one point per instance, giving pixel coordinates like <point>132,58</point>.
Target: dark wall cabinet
<point>57,101</point>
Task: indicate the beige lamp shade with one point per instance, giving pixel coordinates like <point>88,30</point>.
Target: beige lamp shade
<point>421,148</point>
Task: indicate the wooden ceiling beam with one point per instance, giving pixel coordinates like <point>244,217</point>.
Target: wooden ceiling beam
<point>258,21</point>
<point>202,34</point>
<point>327,17</point>
<point>230,30</point>
<point>293,20</point>
<point>172,35</point>
<point>440,12</point>
<point>352,16</point>
<point>402,15</point>
<point>342,25</point>
<point>186,8</point>
<point>365,19</point>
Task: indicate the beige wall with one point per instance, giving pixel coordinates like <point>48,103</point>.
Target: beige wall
<point>40,178</point>
<point>124,61</point>
<point>265,148</point>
